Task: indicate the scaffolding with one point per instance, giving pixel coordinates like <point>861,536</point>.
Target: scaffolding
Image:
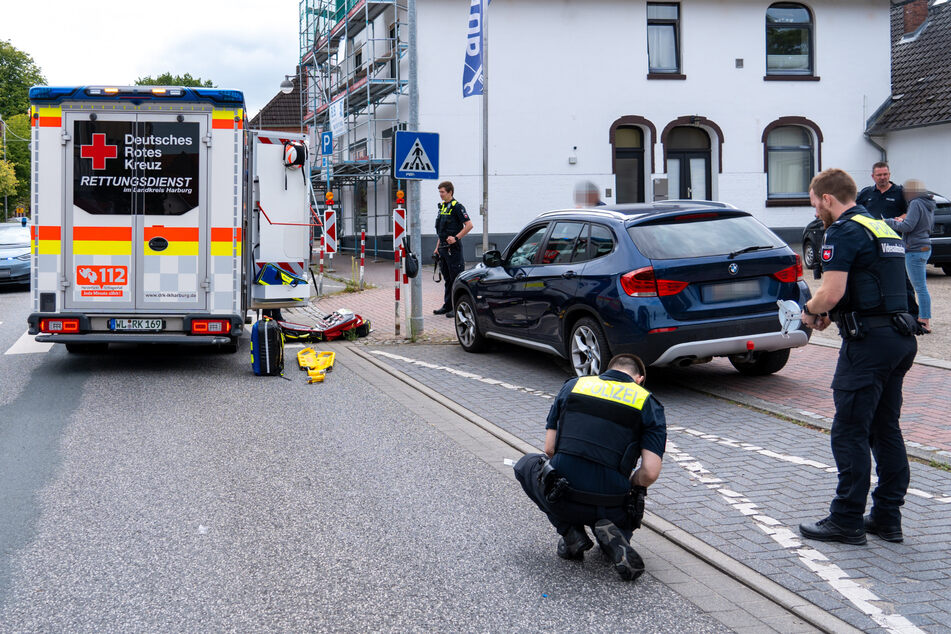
<point>351,53</point>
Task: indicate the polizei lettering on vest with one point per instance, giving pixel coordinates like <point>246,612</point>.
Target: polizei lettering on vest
<point>611,390</point>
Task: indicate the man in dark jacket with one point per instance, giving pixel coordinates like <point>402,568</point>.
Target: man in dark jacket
<point>884,199</point>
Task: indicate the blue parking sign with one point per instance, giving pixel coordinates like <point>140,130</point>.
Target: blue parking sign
<point>326,143</point>
<point>416,155</point>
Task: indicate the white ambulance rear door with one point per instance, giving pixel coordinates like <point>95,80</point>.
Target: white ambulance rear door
<point>137,235</point>
<point>99,209</point>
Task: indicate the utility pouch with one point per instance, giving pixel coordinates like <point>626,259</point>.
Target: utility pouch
<point>905,324</point>
<point>851,327</point>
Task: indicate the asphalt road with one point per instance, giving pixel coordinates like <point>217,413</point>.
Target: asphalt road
<point>169,489</point>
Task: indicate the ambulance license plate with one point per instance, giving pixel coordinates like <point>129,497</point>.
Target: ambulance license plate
<point>136,324</point>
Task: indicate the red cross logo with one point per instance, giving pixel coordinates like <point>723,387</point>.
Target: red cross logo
<point>99,151</point>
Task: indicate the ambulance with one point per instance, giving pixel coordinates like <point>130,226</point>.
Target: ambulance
<point>158,217</point>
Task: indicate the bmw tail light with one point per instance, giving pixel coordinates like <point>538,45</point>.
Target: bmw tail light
<point>210,327</point>
<point>642,283</point>
<point>59,325</point>
<point>790,274</point>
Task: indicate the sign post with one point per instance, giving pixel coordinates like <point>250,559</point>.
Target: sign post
<point>399,230</point>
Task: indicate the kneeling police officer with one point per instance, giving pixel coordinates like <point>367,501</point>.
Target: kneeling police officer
<point>866,292</point>
<point>597,429</point>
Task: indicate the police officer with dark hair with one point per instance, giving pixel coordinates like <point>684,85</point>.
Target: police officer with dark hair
<point>452,223</point>
<point>865,291</point>
<point>884,199</point>
<point>597,429</point>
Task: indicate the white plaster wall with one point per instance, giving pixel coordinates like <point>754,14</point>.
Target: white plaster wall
<point>922,153</point>
<point>562,71</point>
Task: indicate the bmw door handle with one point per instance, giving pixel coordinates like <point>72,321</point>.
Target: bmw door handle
<point>568,275</point>
<point>520,275</point>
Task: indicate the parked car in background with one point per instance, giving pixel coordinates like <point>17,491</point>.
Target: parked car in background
<point>14,253</point>
<point>940,238</point>
<point>675,282</point>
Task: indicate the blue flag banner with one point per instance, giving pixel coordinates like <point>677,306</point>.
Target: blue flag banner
<point>473,77</point>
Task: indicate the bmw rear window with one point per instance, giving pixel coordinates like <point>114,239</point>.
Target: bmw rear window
<point>700,235</point>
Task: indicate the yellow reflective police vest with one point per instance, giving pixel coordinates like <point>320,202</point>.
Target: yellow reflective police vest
<point>602,423</point>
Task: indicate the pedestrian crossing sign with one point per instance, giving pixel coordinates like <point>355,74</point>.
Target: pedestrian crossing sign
<point>416,155</point>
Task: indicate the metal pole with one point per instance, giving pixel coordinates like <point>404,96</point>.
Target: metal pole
<point>4,124</point>
<point>416,289</point>
<point>485,126</point>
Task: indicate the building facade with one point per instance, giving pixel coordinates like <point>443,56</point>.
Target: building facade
<point>913,125</point>
<point>734,100</point>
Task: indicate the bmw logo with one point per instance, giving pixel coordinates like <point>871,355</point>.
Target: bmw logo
<point>733,268</point>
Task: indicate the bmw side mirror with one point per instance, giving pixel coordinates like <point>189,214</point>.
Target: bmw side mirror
<point>492,258</point>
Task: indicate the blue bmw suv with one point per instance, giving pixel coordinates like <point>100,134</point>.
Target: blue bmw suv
<point>675,282</point>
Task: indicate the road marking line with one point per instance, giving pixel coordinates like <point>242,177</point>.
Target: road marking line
<point>27,344</point>
<point>862,598</point>
<point>466,375</point>
<point>797,460</point>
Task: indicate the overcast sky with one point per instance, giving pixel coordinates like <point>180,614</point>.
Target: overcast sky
<point>248,46</point>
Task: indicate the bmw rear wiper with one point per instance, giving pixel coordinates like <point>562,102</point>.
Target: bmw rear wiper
<point>758,247</point>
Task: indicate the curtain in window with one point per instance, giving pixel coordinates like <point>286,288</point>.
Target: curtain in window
<point>661,48</point>
<point>789,162</point>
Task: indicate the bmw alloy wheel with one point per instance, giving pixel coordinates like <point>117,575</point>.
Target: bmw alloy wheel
<point>465,324</point>
<point>585,350</point>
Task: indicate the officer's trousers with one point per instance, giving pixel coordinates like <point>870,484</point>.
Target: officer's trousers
<point>451,264</point>
<point>563,515</point>
<point>867,390</point>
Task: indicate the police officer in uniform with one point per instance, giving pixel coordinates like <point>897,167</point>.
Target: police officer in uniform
<point>597,429</point>
<point>884,199</point>
<point>866,293</point>
<point>452,223</point>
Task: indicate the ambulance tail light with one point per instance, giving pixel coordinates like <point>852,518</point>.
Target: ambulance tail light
<point>56,326</point>
<point>791,273</point>
<point>210,327</point>
<point>642,283</point>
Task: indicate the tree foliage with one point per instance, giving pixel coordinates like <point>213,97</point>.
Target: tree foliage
<point>18,153</point>
<point>17,73</point>
<point>168,79</point>
<point>8,180</point>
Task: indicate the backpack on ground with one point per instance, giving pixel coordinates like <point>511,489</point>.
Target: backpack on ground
<point>267,348</point>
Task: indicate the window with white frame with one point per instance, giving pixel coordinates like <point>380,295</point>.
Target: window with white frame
<point>790,162</point>
<point>789,40</point>
<point>663,38</point>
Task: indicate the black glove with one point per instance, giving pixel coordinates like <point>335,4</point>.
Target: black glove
<point>636,505</point>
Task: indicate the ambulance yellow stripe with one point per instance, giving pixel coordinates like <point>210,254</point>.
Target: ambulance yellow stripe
<point>173,248</point>
<point>48,247</point>
<point>47,116</point>
<point>226,119</point>
<point>223,248</point>
<point>102,247</point>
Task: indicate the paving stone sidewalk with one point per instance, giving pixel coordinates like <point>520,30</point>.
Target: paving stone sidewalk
<point>801,390</point>
<point>741,481</point>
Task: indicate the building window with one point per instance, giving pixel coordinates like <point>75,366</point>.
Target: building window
<point>790,162</point>
<point>789,45</point>
<point>663,39</point>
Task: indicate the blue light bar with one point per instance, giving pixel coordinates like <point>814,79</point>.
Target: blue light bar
<point>49,94</point>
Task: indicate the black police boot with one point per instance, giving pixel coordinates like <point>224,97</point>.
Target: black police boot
<point>442,310</point>
<point>888,533</point>
<point>573,543</point>
<point>825,530</point>
<point>450,314</point>
<point>627,562</point>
